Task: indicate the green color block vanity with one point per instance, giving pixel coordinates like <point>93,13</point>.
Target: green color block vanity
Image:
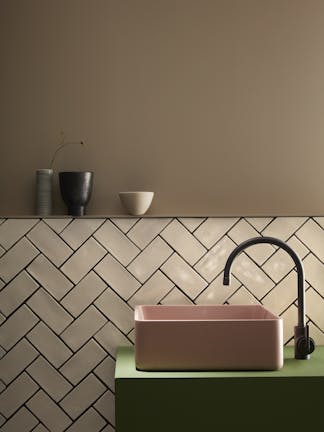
<point>220,401</point>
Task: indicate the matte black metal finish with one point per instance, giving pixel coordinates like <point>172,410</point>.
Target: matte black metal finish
<point>76,189</point>
<point>304,345</point>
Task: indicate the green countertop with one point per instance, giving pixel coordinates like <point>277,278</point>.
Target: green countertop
<point>314,367</point>
<point>205,401</point>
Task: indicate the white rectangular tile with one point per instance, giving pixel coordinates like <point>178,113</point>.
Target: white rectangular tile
<point>89,421</point>
<point>152,291</point>
<point>106,372</point>
<point>13,229</point>
<point>253,278</point>
<point>18,257</point>
<point>111,338</point>
<point>283,227</point>
<point>47,377</point>
<point>106,406</point>
<point>108,428</point>
<point>83,294</point>
<point>216,292</point>
<point>49,243</point>
<point>314,308</point>
<point>57,224</point>
<point>117,277</point>
<point>314,273</point>
<point>243,231</point>
<point>48,412</point>
<point>279,265</point>
<point>83,362</point>
<point>83,328</point>
<point>191,223</point>
<point>259,223</point>
<point>176,297</point>
<point>155,254</point>
<point>114,308</point>
<point>290,319</point>
<point>184,276</point>
<point>300,249</point>
<point>40,428</point>
<point>22,420</point>
<point>49,310</point>
<point>146,230</point>
<point>131,336</point>
<point>312,235</point>
<point>316,334</point>
<point>18,290</point>
<point>116,242</point>
<point>82,396</point>
<point>210,231</point>
<point>16,326</point>
<point>52,348</point>
<point>283,295</point>
<point>2,419</point>
<point>79,230</point>
<point>214,261</point>
<point>242,296</point>
<point>82,261</point>
<point>320,221</point>
<point>124,224</point>
<point>16,360</point>
<point>16,394</point>
<point>49,277</point>
<point>180,239</point>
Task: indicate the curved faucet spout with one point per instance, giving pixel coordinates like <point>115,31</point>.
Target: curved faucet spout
<point>294,256</point>
<point>304,345</point>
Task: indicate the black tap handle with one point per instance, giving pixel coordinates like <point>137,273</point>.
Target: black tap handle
<point>307,338</point>
<point>310,341</point>
<point>305,344</point>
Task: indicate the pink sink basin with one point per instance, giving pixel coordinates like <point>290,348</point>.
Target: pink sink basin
<point>216,337</point>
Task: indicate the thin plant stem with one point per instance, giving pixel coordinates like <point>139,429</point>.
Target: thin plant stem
<point>62,145</point>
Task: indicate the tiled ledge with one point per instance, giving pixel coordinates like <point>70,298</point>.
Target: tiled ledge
<point>147,216</point>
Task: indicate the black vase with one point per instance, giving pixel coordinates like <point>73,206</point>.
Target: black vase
<point>76,189</point>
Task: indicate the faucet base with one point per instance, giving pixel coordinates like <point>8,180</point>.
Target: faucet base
<point>304,345</point>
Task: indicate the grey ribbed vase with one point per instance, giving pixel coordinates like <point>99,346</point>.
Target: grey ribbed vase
<point>76,189</point>
<point>44,186</point>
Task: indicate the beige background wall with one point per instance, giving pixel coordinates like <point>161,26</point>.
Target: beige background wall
<point>217,106</point>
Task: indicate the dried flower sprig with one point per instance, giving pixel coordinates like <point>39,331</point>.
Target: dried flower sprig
<point>63,144</point>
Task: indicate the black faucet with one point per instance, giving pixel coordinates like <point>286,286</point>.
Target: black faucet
<point>304,345</point>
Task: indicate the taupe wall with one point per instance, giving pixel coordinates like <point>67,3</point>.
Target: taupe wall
<point>217,106</point>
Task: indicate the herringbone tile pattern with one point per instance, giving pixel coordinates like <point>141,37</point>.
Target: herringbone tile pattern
<point>68,288</point>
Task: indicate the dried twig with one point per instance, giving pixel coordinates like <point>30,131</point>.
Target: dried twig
<point>64,143</point>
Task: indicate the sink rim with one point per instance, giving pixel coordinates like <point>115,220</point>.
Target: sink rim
<point>139,313</point>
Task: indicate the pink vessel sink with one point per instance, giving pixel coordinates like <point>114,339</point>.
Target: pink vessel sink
<point>216,337</point>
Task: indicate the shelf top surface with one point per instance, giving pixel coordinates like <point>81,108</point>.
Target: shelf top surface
<point>314,367</point>
<point>148,216</point>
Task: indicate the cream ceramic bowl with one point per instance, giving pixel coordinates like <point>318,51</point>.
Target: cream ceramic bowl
<point>136,202</point>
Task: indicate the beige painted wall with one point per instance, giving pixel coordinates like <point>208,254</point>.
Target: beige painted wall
<point>216,105</point>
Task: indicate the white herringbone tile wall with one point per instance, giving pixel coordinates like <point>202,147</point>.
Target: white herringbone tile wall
<point>68,288</point>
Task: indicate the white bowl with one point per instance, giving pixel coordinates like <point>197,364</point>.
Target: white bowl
<point>136,202</point>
